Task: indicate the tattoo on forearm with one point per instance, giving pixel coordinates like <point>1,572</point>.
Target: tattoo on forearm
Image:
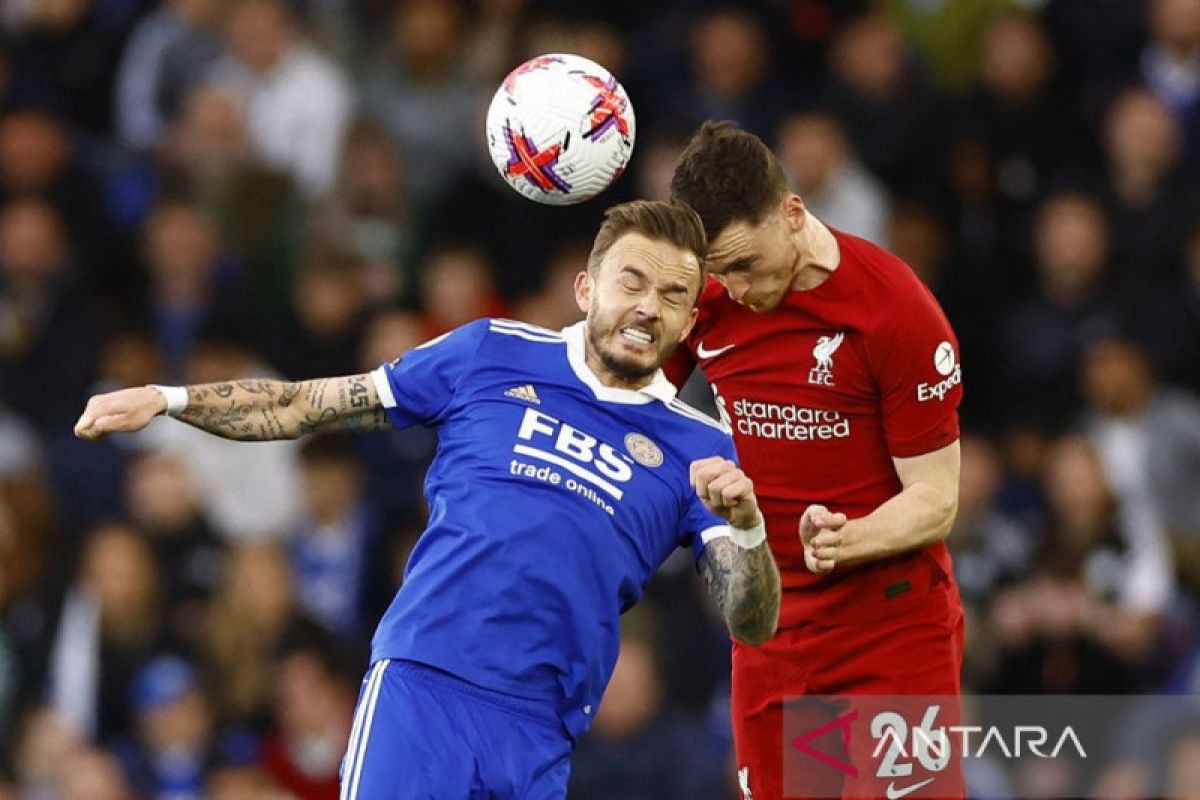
<point>745,585</point>
<point>259,410</point>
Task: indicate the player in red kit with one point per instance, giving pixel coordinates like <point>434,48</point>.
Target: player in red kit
<point>839,375</point>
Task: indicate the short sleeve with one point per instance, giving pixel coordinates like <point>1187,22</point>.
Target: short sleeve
<point>700,526</point>
<point>920,379</point>
<point>418,387</point>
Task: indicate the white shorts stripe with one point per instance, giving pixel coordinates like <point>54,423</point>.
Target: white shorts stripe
<point>352,763</point>
<point>372,699</point>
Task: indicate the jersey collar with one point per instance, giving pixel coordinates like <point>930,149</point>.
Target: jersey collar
<point>659,387</point>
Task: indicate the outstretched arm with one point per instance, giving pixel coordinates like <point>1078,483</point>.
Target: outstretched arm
<point>739,570</point>
<point>247,410</point>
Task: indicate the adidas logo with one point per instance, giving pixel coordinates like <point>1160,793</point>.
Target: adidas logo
<point>526,393</point>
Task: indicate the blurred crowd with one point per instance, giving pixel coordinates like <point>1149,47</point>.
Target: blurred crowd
<point>194,190</point>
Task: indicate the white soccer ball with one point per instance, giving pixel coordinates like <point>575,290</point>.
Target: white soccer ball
<point>560,129</point>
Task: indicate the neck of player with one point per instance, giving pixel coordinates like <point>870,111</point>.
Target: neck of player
<point>819,254</point>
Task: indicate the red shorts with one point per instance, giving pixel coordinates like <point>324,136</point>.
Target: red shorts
<point>890,657</point>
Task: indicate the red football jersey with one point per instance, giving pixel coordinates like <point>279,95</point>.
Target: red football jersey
<point>821,394</point>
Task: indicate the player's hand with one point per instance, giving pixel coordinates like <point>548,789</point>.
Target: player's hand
<point>821,534</point>
<point>122,411</point>
<point>726,491</point>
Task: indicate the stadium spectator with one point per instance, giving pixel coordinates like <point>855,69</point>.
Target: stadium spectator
<point>47,337</point>
<point>919,236</point>
<point>991,549</point>
<point>173,743</point>
<point>37,159</point>
<point>1148,439</point>
<point>247,622</point>
<point>1018,107</point>
<point>1169,63</point>
<point>207,159</point>
<point>421,91</point>
<point>824,171</point>
<point>321,332</point>
<point>164,504</point>
<point>91,774</point>
<point>192,284</point>
<point>109,623</point>
<point>458,285</point>
<point>168,53</point>
<point>374,213</point>
<point>314,703</point>
<point>287,86</point>
<point>42,744</point>
<point>638,749</point>
<point>1151,201</point>
<point>27,540</point>
<point>1043,337</point>
<point>730,58</point>
<point>64,58</point>
<point>656,163</point>
<point>1165,318</point>
<point>551,306</point>
<point>332,546</point>
<point>1088,619</point>
<point>883,98</point>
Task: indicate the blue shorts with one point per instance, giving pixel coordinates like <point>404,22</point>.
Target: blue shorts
<point>420,733</point>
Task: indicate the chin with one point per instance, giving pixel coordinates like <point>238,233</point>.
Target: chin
<point>629,369</point>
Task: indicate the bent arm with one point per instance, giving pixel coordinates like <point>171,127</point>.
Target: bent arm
<point>246,410</point>
<point>744,583</point>
<point>921,514</point>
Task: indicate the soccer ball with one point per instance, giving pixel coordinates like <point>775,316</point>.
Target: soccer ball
<point>560,129</point>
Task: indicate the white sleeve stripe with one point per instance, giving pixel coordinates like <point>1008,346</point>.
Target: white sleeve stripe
<point>513,324</point>
<point>685,410</point>
<point>525,335</point>
<point>715,532</point>
<point>383,387</point>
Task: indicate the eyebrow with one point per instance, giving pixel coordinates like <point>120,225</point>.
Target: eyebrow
<point>740,263</point>
<point>673,288</point>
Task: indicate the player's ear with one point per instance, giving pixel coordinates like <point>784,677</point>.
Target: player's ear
<point>691,322</point>
<point>794,211</point>
<point>583,291</point>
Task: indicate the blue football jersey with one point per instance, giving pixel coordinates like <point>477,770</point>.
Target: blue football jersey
<point>553,498</point>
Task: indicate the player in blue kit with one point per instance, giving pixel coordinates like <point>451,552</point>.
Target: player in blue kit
<point>566,472</point>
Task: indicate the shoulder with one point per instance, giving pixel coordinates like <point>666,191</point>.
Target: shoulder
<point>506,329</point>
<point>889,293</point>
<point>694,417</point>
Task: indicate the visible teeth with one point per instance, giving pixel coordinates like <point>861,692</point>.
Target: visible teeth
<point>636,335</point>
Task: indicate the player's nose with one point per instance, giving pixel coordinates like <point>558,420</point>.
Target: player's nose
<point>736,290</point>
<point>649,306</point>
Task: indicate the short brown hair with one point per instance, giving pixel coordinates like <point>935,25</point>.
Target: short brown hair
<point>655,219</point>
<point>728,175</point>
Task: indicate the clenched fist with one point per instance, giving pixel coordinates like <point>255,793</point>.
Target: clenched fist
<point>821,533</point>
<point>726,491</point>
<point>122,411</point>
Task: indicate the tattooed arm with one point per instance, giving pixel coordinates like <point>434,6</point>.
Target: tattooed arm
<point>743,581</point>
<point>745,586</point>
<point>248,410</point>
